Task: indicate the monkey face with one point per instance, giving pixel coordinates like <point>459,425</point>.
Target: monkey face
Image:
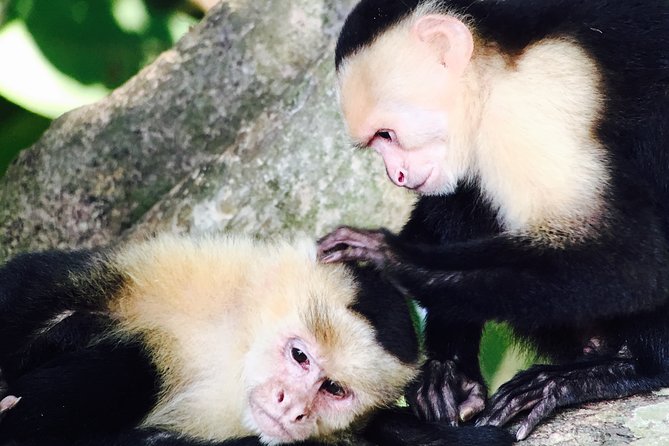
<point>298,399</point>
<point>402,97</point>
<point>317,364</point>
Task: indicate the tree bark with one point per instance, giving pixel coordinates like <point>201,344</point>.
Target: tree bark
<point>236,128</point>
<point>640,421</point>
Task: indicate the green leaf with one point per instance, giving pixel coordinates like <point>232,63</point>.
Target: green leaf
<point>18,129</point>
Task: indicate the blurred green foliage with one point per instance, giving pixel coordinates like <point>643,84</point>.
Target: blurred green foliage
<point>98,43</point>
<point>500,357</point>
<point>494,345</point>
<point>19,128</point>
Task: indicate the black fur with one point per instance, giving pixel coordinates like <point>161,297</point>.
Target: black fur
<point>368,20</point>
<point>37,287</point>
<point>78,388</point>
<point>92,390</point>
<point>453,256</point>
<point>391,321</point>
<point>398,427</point>
<point>70,383</point>
<point>390,428</point>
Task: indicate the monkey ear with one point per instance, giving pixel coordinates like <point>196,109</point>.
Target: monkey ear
<point>451,38</point>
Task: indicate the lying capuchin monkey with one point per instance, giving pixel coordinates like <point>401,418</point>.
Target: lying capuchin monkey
<point>536,134</point>
<point>219,340</point>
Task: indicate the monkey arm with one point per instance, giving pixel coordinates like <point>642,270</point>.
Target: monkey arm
<point>36,288</point>
<point>101,388</point>
<point>552,292</point>
<point>507,278</point>
<point>488,252</point>
<point>399,427</point>
<point>385,249</point>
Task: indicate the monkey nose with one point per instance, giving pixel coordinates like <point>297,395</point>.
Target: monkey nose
<point>295,409</point>
<point>297,412</point>
<point>400,177</point>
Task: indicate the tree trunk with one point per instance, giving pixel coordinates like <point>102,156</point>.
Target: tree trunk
<point>236,128</point>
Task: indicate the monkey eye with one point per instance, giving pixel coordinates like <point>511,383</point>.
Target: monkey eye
<point>299,356</point>
<point>388,135</point>
<point>333,388</point>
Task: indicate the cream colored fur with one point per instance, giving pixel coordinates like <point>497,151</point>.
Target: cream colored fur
<point>537,156</point>
<point>203,305</point>
<point>523,126</point>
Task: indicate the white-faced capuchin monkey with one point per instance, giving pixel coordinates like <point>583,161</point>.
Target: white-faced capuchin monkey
<point>537,136</point>
<point>183,341</point>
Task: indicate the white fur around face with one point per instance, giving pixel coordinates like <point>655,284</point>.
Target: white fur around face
<point>213,311</point>
<point>523,127</point>
<point>399,84</point>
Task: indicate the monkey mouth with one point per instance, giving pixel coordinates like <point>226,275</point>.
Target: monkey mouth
<point>271,427</point>
<point>418,187</point>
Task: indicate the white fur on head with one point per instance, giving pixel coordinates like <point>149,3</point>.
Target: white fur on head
<point>212,310</point>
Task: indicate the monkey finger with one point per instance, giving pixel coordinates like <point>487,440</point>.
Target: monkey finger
<point>530,382</point>
<point>353,237</point>
<point>436,406</point>
<point>538,413</point>
<point>445,402</point>
<point>344,235</point>
<point>331,257</point>
<point>431,409</point>
<point>329,244</point>
<point>435,398</point>
<point>504,397</point>
<point>503,415</point>
<point>504,407</point>
<point>532,377</point>
<point>334,257</point>
<point>348,255</point>
<point>474,403</point>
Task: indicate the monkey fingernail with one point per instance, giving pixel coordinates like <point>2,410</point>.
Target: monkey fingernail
<point>328,258</point>
<point>8,402</point>
<point>522,433</point>
<point>466,414</point>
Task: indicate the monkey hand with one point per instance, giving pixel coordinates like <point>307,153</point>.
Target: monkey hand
<point>351,244</point>
<point>443,393</point>
<point>539,390</point>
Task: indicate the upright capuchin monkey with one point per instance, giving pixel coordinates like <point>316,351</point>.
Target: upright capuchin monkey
<point>537,136</point>
<point>182,341</point>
